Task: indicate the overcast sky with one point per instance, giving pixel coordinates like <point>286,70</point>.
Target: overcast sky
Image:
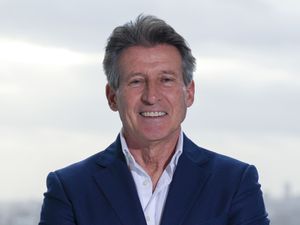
<point>53,111</point>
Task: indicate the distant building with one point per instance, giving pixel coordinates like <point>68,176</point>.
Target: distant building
<point>19,213</point>
<point>284,210</point>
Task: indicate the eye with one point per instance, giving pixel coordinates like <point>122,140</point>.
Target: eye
<point>167,80</point>
<point>135,82</point>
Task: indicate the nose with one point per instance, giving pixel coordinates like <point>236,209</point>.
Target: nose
<point>151,93</point>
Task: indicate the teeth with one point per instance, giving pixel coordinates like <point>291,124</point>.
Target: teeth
<point>153,114</point>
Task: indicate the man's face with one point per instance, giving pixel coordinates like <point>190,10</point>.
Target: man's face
<point>152,98</point>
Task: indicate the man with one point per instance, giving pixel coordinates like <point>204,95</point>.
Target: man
<point>152,174</point>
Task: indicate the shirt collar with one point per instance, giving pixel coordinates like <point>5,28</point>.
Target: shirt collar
<point>132,164</point>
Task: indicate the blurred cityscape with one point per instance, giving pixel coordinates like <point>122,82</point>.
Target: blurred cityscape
<point>284,210</point>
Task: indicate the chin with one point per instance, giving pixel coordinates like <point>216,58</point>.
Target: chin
<point>155,135</point>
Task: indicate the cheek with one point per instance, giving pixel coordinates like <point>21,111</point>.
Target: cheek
<point>181,103</point>
<point>126,106</point>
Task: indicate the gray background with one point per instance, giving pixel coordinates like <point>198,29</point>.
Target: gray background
<point>52,106</point>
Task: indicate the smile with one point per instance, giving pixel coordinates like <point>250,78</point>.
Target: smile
<point>153,114</point>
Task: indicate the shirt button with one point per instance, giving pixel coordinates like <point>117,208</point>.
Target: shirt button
<point>145,182</point>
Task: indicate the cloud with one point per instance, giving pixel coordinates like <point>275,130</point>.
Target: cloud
<point>86,25</point>
<point>246,109</point>
<point>17,52</point>
<point>73,24</point>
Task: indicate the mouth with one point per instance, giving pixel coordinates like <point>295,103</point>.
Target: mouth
<point>153,114</point>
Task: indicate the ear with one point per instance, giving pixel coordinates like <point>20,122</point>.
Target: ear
<point>190,92</point>
<point>111,97</point>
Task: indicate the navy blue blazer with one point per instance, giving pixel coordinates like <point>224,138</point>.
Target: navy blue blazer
<point>207,189</point>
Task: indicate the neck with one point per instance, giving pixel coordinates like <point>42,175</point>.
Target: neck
<point>153,157</point>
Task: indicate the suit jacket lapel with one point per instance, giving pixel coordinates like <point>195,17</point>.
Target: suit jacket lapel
<point>188,181</point>
<point>115,181</point>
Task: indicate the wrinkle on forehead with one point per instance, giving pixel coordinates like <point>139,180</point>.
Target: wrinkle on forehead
<point>141,60</point>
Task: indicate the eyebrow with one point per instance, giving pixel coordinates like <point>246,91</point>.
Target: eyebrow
<point>167,72</point>
<point>170,72</point>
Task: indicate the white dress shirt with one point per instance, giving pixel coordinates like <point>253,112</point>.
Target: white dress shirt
<point>152,202</point>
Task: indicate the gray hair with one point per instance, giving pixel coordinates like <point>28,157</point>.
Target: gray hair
<point>145,31</point>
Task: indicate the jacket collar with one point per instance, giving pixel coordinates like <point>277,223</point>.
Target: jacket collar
<point>190,177</point>
<point>117,184</point>
<point>193,152</point>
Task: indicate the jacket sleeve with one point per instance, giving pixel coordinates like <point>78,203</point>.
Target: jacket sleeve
<point>56,208</point>
<point>248,207</point>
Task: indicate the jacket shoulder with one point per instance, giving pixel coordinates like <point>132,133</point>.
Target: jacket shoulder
<point>84,168</point>
<point>203,156</point>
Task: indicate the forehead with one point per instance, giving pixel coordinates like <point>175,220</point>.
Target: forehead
<point>159,57</point>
